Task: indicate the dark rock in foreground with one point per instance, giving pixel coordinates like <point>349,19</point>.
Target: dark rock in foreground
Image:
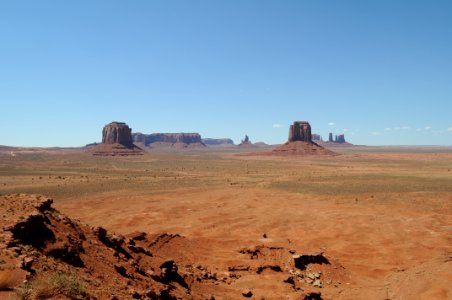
<point>45,254</point>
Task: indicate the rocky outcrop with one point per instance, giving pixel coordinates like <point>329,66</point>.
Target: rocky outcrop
<point>169,139</point>
<point>40,244</point>
<point>45,254</point>
<point>246,143</point>
<point>300,131</point>
<point>116,141</point>
<point>117,133</point>
<point>300,142</point>
<point>218,142</point>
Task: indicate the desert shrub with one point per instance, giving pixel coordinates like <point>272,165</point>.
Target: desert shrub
<point>58,283</point>
<point>69,285</point>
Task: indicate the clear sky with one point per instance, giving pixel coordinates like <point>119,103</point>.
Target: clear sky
<point>378,71</point>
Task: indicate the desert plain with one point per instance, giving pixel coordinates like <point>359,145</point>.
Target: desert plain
<point>381,217</point>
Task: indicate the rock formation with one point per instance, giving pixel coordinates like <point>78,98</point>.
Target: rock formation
<point>46,254</point>
<point>300,142</point>
<point>186,138</point>
<point>116,141</point>
<point>218,142</point>
<point>117,133</point>
<point>300,131</point>
<point>178,140</point>
<point>316,137</point>
<point>340,139</point>
<point>246,143</point>
<point>335,141</point>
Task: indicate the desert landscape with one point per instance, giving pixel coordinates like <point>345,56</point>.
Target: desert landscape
<point>369,223</point>
<point>224,150</point>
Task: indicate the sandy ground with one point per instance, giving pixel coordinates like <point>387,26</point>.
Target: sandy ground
<point>384,216</point>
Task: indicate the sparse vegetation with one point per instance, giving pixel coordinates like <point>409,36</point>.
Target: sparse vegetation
<point>59,283</point>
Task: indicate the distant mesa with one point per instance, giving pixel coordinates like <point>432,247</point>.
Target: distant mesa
<point>218,142</point>
<point>91,145</point>
<point>116,141</point>
<point>171,140</point>
<point>300,142</point>
<point>333,140</point>
<point>317,137</point>
<point>262,144</point>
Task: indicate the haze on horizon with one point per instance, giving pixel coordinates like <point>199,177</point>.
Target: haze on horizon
<point>378,71</point>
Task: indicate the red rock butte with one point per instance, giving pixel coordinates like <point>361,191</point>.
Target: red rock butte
<point>300,131</point>
<point>300,142</point>
<point>117,133</point>
<point>116,141</point>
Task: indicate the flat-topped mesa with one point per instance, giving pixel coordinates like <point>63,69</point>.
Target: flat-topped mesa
<point>117,133</point>
<point>183,137</point>
<point>300,131</point>
<point>218,142</point>
<point>171,138</point>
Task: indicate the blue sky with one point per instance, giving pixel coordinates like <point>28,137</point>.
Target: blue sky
<point>378,71</point>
